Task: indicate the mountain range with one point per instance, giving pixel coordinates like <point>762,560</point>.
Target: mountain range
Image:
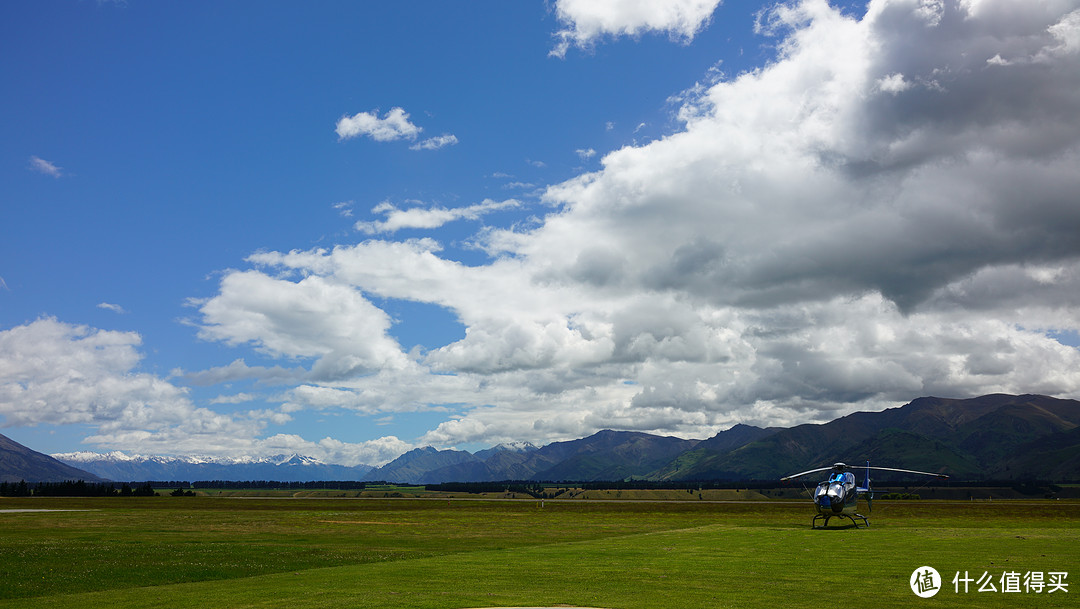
<point>281,468</point>
<point>606,455</point>
<point>1002,437</point>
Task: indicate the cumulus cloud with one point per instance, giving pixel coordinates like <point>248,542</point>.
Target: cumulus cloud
<point>885,211</point>
<point>428,218</point>
<point>586,21</point>
<point>57,373</point>
<point>314,318</point>
<point>898,189</point>
<point>108,306</point>
<point>394,125</point>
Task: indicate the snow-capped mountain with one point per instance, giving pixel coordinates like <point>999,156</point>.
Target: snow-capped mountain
<point>508,447</point>
<point>121,467</point>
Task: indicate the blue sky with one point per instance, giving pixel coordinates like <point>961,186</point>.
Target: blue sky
<point>348,229</point>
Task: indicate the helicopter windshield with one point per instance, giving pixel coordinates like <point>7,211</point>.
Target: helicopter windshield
<point>842,478</point>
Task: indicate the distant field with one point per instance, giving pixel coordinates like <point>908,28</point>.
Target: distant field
<point>439,553</point>
<point>394,492</point>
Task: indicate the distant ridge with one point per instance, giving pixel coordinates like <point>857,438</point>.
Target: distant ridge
<point>1004,437</point>
<point>992,437</point>
<point>18,462</point>
<point>280,468</point>
<point>605,455</point>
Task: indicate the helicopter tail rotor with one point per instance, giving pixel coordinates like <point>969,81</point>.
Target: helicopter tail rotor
<point>869,493</point>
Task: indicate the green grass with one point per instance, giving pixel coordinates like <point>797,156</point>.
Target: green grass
<point>277,552</point>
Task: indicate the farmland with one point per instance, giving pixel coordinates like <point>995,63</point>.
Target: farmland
<point>325,551</point>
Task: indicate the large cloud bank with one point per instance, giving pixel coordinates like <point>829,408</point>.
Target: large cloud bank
<point>888,210</point>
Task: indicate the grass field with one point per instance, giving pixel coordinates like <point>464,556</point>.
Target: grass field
<point>355,552</point>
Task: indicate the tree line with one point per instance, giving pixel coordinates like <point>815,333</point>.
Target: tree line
<point>335,485</point>
<point>74,488</point>
<point>533,489</point>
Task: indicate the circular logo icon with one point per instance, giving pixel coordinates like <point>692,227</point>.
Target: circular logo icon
<point>925,582</point>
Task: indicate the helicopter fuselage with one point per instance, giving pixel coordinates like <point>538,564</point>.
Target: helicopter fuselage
<point>837,495</point>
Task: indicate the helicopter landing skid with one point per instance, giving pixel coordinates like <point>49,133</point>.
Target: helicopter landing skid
<point>827,517</point>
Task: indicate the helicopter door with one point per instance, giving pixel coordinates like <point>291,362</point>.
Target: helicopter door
<point>849,488</point>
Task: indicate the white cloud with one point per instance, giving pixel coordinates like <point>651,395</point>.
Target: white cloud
<point>56,373</point>
<point>373,452</point>
<point>434,143</point>
<point>394,125</point>
<point>313,318</point>
<point>877,215</point>
<point>893,83</point>
<point>586,153</point>
<point>519,185</point>
<point>238,398</point>
<point>238,370</point>
<point>587,21</point>
<point>344,208</point>
<point>115,308</point>
<point>40,165</point>
<point>1067,33</point>
<point>428,218</point>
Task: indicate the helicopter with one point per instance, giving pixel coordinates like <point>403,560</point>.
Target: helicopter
<point>838,495</point>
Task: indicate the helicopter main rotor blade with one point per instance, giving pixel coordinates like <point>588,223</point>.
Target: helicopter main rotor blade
<point>812,471</point>
<point>854,467</point>
<point>906,471</point>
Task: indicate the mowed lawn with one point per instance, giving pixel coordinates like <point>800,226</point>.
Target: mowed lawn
<point>281,552</point>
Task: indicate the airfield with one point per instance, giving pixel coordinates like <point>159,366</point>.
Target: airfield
<point>642,549</point>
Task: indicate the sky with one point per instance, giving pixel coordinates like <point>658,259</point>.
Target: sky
<point>347,229</point>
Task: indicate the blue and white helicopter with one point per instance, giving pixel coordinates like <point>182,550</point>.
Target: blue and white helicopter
<point>838,495</point>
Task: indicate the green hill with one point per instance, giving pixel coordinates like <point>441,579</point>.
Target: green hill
<point>993,436</point>
<point>18,462</point>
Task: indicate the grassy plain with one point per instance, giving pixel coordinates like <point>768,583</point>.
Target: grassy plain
<point>356,552</point>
